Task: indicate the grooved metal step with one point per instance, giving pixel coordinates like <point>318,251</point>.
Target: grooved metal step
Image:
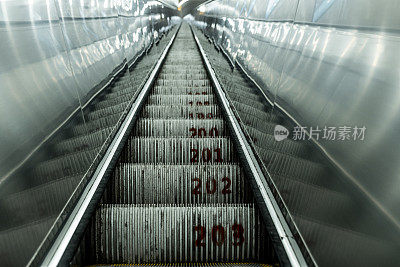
<point>180,128</point>
<point>182,112</point>
<point>177,233</point>
<point>175,99</point>
<point>177,184</point>
<point>178,193</point>
<point>171,150</point>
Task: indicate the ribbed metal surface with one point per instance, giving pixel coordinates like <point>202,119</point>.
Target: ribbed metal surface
<point>177,184</point>
<point>185,264</point>
<point>180,128</point>
<point>179,150</point>
<point>178,233</point>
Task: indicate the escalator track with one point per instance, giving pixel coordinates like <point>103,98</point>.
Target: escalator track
<point>178,193</point>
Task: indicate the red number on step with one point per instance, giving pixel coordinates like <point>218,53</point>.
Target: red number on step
<point>194,131</point>
<point>227,187</point>
<point>209,115</point>
<point>218,235</point>
<point>194,155</point>
<point>214,132</point>
<point>211,186</point>
<point>201,230</point>
<point>218,152</point>
<point>202,132</point>
<point>200,115</point>
<point>238,234</point>
<point>206,154</point>
<point>197,188</point>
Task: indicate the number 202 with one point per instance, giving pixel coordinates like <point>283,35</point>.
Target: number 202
<point>212,186</point>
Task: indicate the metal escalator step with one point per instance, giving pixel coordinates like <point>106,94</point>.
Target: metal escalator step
<point>183,71</point>
<point>187,264</point>
<point>75,144</point>
<point>181,112</point>
<point>287,146</point>
<point>168,65</point>
<point>334,246</point>
<point>177,184</point>
<point>183,76</point>
<point>180,128</point>
<point>317,202</point>
<point>184,99</point>
<point>202,90</point>
<point>182,233</point>
<point>25,240</point>
<point>66,165</point>
<point>34,203</point>
<point>185,83</point>
<point>179,150</point>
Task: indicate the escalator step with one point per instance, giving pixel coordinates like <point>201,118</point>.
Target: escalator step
<point>179,233</point>
<point>153,150</point>
<point>185,83</point>
<point>185,264</point>
<point>190,100</point>
<point>201,90</point>
<point>183,128</point>
<point>181,112</point>
<point>177,184</point>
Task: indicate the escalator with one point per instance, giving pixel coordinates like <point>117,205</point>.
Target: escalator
<point>178,193</point>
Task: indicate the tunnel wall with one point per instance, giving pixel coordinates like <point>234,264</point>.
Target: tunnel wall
<point>55,55</point>
<point>325,63</point>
